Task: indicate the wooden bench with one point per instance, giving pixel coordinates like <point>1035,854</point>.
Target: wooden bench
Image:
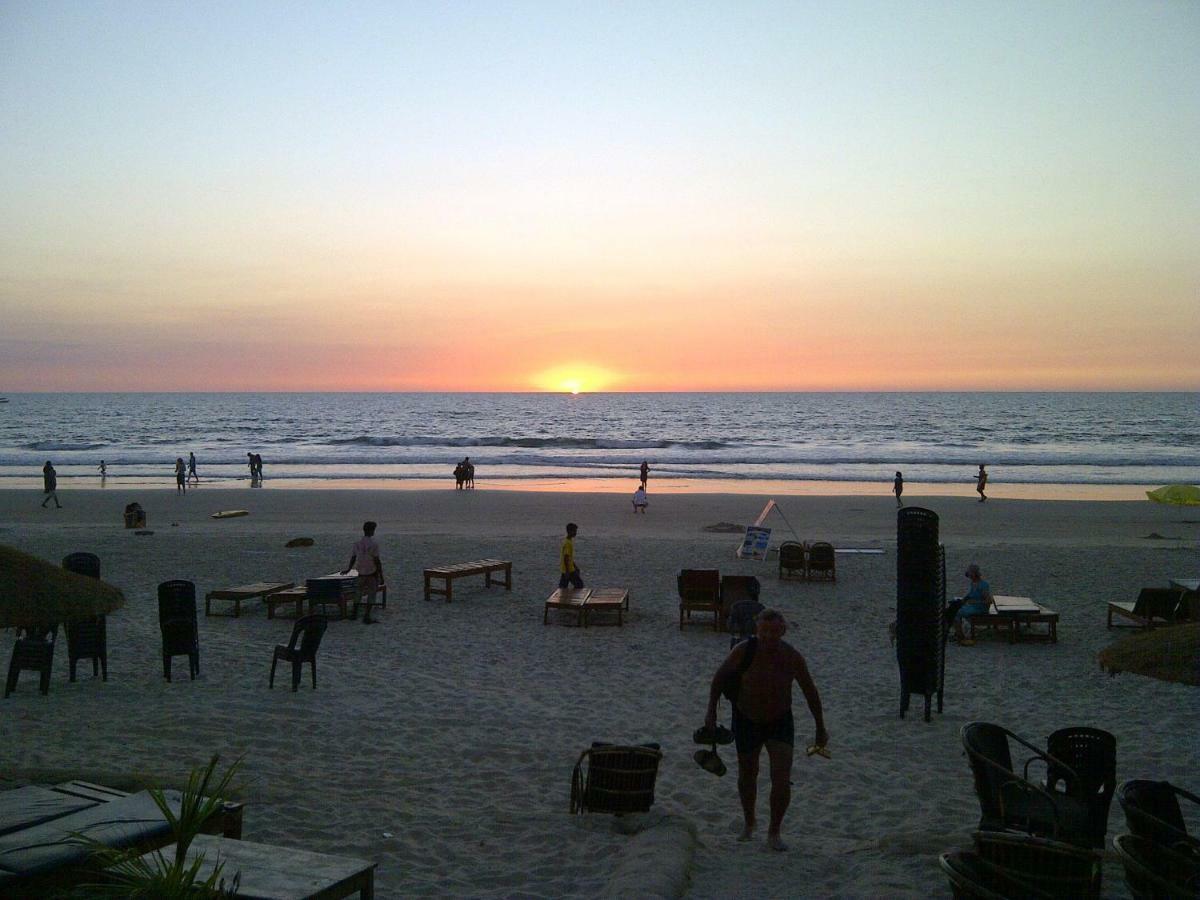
<point>606,600</point>
<point>1014,613</point>
<point>568,599</point>
<point>484,567</point>
<point>255,591</point>
<point>267,872</point>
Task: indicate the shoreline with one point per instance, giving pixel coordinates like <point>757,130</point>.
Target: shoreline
<point>660,486</point>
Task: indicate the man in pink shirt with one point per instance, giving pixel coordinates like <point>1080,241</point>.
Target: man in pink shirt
<point>370,571</point>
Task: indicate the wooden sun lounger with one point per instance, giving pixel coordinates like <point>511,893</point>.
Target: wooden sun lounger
<point>1154,607</point>
<point>1011,613</point>
<point>484,567</point>
<point>296,595</point>
<point>255,591</point>
<point>584,601</point>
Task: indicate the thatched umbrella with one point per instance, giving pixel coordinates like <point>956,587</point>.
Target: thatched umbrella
<point>1169,654</point>
<point>34,592</point>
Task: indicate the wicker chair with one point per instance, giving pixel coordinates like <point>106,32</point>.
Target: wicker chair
<point>1155,872</point>
<point>699,591</point>
<point>1058,869</point>
<point>822,562</point>
<point>973,878</point>
<point>33,651</point>
<point>302,648</point>
<point>1011,801</point>
<point>1152,812</point>
<point>1091,754</point>
<point>177,622</point>
<point>86,638</point>
<point>792,560</point>
<point>610,778</point>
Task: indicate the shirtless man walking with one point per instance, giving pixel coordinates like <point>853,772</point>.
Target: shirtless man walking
<point>763,715</point>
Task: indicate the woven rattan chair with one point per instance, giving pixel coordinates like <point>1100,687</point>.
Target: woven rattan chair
<point>302,648</point>
<point>699,591</point>
<point>86,638</point>
<point>1152,812</point>
<point>177,622</point>
<point>792,562</point>
<point>974,878</point>
<point>822,562</point>
<point>1011,801</point>
<point>1154,872</point>
<point>1091,755</point>
<point>1058,869</point>
<point>33,651</point>
<point>610,778</point>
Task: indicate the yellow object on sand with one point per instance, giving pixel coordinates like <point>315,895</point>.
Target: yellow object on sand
<point>230,513</point>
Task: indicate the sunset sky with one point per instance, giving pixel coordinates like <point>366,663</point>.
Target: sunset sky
<point>622,196</point>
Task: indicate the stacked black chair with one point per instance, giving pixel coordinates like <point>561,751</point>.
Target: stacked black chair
<point>302,648</point>
<point>177,622</point>
<point>1152,811</point>
<point>1090,755</point>
<point>33,651</point>
<point>87,638</point>
<point>1155,872</point>
<point>920,607</point>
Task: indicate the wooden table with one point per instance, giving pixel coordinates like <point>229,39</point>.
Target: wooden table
<point>284,873</point>
<point>245,592</point>
<point>484,567</point>
<point>1012,612</point>
<point>605,600</point>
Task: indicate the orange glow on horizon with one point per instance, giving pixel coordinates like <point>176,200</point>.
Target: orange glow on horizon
<point>574,378</point>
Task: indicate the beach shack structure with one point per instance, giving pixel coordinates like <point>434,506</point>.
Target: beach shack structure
<point>920,607</point>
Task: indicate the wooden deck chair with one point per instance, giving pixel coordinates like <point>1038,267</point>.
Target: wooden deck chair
<point>1154,607</point>
<point>699,591</point>
<point>792,560</point>
<point>611,778</point>
<point>822,562</point>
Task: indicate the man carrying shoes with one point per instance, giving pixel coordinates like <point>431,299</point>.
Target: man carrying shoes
<point>762,715</point>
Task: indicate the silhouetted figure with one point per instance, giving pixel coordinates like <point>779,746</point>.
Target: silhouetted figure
<point>50,485</point>
<point>645,473</point>
<point>898,488</point>
<point>981,483</point>
<point>180,475</point>
<point>192,476</point>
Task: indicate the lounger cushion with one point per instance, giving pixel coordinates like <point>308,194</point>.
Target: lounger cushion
<point>32,805</point>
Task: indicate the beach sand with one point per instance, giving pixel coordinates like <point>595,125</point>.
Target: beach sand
<point>440,742</point>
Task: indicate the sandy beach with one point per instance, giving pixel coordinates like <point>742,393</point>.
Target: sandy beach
<point>440,742</point>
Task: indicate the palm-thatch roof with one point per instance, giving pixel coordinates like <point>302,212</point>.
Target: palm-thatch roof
<point>1169,654</point>
<point>36,592</point>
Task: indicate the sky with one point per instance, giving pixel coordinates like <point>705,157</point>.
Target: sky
<point>599,196</point>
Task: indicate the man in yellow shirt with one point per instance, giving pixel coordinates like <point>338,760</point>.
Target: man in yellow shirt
<point>566,558</point>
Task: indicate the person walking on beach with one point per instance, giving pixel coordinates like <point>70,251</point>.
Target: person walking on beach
<point>568,569</point>
<point>180,475</point>
<point>192,476</point>
<point>977,602</point>
<point>253,467</point>
<point>370,572</point>
<point>762,715</point>
<point>50,485</point>
<point>103,470</point>
<point>981,483</point>
<point>898,488</point>
<point>258,465</point>
<point>645,473</point>
<point>639,500</point>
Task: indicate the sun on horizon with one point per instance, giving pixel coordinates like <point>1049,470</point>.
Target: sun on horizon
<point>581,378</point>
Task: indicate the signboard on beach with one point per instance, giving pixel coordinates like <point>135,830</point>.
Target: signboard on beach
<point>754,544</point>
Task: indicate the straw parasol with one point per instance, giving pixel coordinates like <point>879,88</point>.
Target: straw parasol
<point>1176,495</point>
<point>1168,654</point>
<point>34,592</point>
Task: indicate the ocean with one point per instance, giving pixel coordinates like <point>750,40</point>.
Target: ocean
<point>560,440</point>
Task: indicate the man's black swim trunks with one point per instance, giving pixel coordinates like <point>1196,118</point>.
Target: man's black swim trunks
<point>750,736</point>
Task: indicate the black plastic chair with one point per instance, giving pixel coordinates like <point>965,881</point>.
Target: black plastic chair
<point>609,778</point>
<point>1152,812</point>
<point>1011,801</point>
<point>177,622</point>
<point>1155,872</point>
<point>307,633</point>
<point>33,651</point>
<point>1091,754</point>
<point>86,638</point>
<point>791,560</point>
<point>1052,867</point>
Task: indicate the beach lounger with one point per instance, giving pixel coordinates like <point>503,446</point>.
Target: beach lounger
<point>1153,607</point>
<point>792,560</point>
<point>255,591</point>
<point>1014,616</point>
<point>177,623</point>
<point>570,600</point>
<point>301,649</point>
<point>822,561</point>
<point>448,574</point>
<point>699,591</point>
<point>606,600</point>
<point>610,778</point>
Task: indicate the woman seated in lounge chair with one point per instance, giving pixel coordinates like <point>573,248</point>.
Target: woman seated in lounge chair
<point>977,602</point>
